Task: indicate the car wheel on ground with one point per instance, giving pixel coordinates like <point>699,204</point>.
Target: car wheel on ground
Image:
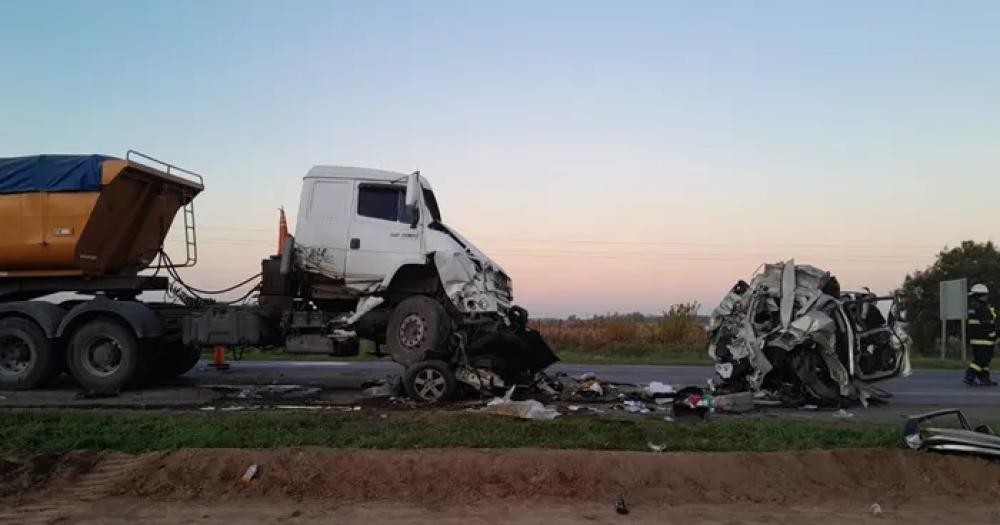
<point>105,356</point>
<point>27,357</point>
<point>429,381</point>
<point>418,327</point>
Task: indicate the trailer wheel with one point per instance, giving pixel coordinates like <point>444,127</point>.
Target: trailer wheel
<point>417,327</point>
<point>27,357</point>
<point>104,356</point>
<point>175,360</point>
<point>429,381</point>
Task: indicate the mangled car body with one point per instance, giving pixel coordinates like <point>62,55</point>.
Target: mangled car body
<point>963,439</point>
<point>793,333</point>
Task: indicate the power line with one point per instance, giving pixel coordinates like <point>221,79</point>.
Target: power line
<point>643,242</point>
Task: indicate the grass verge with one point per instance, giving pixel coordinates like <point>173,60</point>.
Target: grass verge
<point>32,432</point>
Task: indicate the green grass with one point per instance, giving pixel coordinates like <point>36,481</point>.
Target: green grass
<point>31,432</point>
<point>934,363</point>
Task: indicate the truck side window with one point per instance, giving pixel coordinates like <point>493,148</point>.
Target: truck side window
<point>383,202</point>
<point>378,202</point>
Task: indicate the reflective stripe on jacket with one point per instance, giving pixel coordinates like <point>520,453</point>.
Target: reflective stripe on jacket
<point>981,325</point>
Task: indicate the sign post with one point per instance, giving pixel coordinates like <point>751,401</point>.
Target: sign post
<point>954,298</point>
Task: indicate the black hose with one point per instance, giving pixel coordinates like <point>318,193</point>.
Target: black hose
<point>173,273</point>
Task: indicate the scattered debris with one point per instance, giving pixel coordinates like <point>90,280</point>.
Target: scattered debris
<point>737,403</point>
<point>620,506</point>
<point>656,387</point>
<point>876,509</point>
<point>981,441</point>
<point>265,391</point>
<point>792,330</point>
<point>480,379</point>
<point>249,475</point>
<point>843,414</point>
<point>693,401</point>
<point>529,409</point>
<point>390,386</point>
<point>588,389</point>
<point>635,407</point>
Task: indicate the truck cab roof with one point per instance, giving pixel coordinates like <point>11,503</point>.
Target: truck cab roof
<point>353,173</point>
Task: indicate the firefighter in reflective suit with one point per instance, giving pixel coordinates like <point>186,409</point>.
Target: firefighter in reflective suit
<point>981,331</point>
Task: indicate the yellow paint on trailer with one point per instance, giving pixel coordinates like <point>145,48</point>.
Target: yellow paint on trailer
<point>41,230</point>
<point>115,231</point>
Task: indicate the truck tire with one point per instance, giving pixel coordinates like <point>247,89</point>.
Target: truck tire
<point>429,381</point>
<point>175,360</point>
<point>419,327</point>
<point>104,356</point>
<point>27,358</point>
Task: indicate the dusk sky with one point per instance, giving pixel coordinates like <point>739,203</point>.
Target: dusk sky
<point>612,156</point>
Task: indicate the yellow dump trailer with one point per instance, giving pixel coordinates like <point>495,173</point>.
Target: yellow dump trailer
<point>89,215</point>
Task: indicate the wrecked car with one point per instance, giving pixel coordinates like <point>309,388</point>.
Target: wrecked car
<point>793,333</point>
<point>980,441</point>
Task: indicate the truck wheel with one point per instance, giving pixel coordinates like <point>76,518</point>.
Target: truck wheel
<point>104,356</point>
<point>418,327</point>
<point>27,357</point>
<point>175,360</point>
<point>429,381</point>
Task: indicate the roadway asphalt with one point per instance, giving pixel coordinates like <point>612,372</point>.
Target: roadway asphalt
<point>340,380</point>
<point>924,387</point>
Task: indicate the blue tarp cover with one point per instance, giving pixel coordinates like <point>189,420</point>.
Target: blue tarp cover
<point>51,173</point>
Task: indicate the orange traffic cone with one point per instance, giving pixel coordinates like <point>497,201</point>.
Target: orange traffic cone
<point>219,359</point>
<point>282,231</point>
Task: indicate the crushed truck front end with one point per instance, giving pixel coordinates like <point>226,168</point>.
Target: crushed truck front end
<point>372,253</point>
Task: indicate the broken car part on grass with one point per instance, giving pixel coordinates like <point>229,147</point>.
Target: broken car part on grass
<point>979,441</point>
<point>793,333</point>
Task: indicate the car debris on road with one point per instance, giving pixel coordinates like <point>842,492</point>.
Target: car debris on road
<point>978,441</point>
<point>526,409</point>
<point>794,333</point>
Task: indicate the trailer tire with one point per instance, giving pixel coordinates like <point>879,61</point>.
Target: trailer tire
<point>104,356</point>
<point>418,328</point>
<point>27,358</point>
<point>429,381</point>
<point>176,360</point>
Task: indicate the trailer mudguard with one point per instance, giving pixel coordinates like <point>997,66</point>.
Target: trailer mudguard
<point>46,315</point>
<point>136,315</point>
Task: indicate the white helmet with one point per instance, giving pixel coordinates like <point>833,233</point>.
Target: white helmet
<point>978,289</point>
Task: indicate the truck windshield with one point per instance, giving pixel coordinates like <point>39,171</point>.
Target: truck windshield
<point>432,205</point>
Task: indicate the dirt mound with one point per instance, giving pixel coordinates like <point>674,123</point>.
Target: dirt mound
<point>17,477</point>
<point>471,475</point>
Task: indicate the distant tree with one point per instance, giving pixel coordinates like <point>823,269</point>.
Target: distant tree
<point>977,262</point>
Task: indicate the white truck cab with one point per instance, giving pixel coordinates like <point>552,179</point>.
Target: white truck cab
<point>374,260</point>
<point>361,227</point>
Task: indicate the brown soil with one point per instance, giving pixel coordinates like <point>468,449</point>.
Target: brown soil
<point>306,485</point>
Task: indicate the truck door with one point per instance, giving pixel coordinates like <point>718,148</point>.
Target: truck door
<point>381,238</point>
<point>322,227</point>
